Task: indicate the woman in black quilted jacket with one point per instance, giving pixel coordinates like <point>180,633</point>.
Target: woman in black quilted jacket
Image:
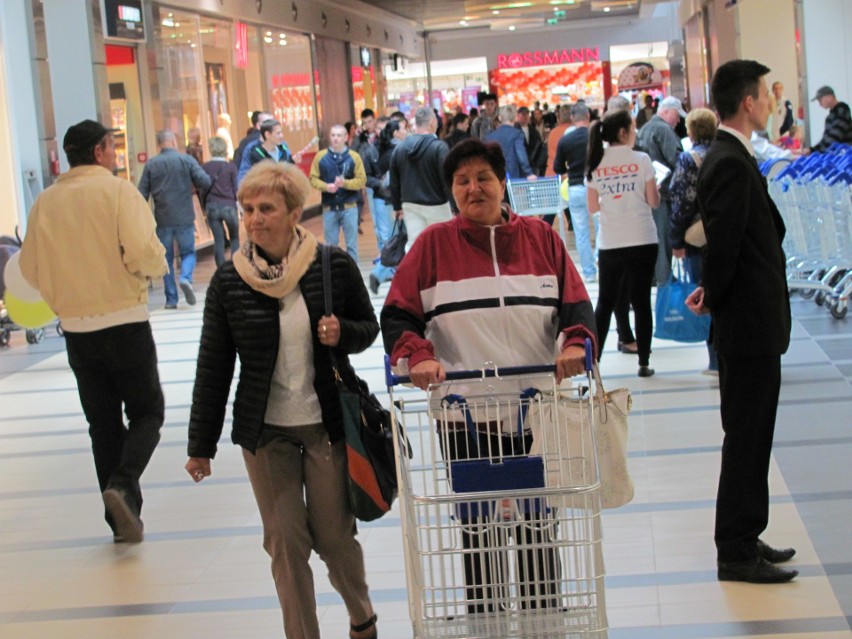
<point>267,307</point>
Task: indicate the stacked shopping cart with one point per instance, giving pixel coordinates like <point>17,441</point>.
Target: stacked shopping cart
<point>814,196</point>
<point>500,507</point>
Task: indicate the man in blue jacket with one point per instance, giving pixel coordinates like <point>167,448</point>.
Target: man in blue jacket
<point>338,173</point>
<point>168,178</point>
<point>511,140</point>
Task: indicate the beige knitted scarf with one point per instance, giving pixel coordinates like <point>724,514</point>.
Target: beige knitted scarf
<point>277,280</point>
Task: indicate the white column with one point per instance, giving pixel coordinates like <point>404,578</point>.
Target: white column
<point>828,56</point>
<point>20,148</point>
<point>77,61</point>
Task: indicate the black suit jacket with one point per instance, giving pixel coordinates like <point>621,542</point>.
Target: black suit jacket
<point>743,265</point>
<point>536,151</point>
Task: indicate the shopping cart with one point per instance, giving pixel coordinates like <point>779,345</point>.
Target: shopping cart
<point>813,196</point>
<point>538,197</point>
<point>500,542</point>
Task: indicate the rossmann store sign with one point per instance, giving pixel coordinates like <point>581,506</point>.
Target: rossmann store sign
<point>517,60</point>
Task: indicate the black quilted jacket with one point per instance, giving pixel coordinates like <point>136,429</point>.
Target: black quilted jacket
<point>240,321</point>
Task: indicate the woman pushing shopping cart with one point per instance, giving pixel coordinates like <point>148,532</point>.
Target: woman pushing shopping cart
<point>488,285</point>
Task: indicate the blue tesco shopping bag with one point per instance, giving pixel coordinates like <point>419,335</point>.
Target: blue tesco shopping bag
<point>674,320</point>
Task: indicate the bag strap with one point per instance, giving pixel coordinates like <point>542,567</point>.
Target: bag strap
<point>696,158</point>
<point>326,293</point>
<point>203,198</point>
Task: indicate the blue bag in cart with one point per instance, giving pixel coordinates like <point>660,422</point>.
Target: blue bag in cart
<point>674,320</point>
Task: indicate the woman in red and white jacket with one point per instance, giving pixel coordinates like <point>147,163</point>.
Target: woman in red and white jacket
<point>488,286</point>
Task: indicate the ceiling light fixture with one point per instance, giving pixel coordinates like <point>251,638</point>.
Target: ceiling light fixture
<point>606,9</point>
<point>511,27</point>
<point>463,23</point>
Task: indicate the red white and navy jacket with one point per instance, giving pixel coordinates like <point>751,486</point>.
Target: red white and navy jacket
<point>467,294</point>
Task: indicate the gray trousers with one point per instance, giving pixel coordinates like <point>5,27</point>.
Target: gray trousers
<point>299,482</point>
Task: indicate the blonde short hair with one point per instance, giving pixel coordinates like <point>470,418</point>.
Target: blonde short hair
<point>276,177</point>
<point>701,125</point>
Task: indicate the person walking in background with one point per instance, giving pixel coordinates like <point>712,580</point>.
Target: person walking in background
<point>257,118</point>
<point>392,136</point>
<point>622,186</point>
<point>659,140</point>
<point>838,123</point>
<point>220,199</point>
<point>460,130</point>
<point>744,288</point>
<point>100,294</point>
<point>563,115</point>
<point>194,148</point>
<point>417,187</point>
<point>338,173</point>
<point>701,127</point>
<point>486,121</point>
<point>169,178</point>
<point>511,141</point>
<point>536,151</point>
<point>645,113</point>
<point>571,160</point>
<point>269,146</point>
<point>267,308</point>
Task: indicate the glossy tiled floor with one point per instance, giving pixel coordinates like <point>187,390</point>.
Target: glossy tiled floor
<point>201,572</point>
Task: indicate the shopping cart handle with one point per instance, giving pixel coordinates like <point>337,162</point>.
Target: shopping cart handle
<point>509,371</point>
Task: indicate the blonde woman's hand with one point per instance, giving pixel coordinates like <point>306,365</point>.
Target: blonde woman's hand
<point>198,468</point>
<point>328,330</point>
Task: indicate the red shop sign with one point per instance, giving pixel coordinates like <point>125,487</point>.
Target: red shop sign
<point>516,59</point>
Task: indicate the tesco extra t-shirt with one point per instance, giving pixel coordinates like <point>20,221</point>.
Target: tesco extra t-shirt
<point>625,218</point>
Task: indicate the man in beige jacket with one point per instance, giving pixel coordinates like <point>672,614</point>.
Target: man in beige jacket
<point>89,249</point>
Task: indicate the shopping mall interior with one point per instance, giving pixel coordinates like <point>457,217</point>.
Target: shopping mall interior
<point>201,572</point>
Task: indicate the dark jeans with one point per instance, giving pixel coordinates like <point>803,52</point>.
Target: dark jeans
<point>117,367</point>
<point>484,572</point>
<point>220,216</point>
<point>636,264</point>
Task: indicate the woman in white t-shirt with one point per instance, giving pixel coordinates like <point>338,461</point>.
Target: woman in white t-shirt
<point>621,185</point>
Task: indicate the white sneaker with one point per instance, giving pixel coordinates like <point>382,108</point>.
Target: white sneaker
<point>590,279</point>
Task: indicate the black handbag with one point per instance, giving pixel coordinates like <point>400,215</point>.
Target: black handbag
<point>371,463</point>
<point>394,249</point>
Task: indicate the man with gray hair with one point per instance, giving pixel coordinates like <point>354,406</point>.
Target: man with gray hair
<point>417,188</point>
<point>571,159</point>
<point>169,178</point>
<point>659,140</point>
<point>511,140</point>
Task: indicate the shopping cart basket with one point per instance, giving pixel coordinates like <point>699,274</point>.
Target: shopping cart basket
<point>538,197</point>
<point>498,542</point>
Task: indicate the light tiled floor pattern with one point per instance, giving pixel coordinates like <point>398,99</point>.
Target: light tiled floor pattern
<point>202,574</point>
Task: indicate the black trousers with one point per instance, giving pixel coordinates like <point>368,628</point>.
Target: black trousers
<point>117,368</point>
<point>749,388</point>
<point>635,264</point>
<point>486,572</point>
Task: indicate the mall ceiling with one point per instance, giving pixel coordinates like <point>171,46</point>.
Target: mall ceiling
<point>441,15</point>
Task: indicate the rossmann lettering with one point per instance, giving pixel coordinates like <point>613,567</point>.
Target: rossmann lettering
<point>516,60</point>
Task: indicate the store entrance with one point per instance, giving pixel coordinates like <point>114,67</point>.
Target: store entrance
<point>126,111</point>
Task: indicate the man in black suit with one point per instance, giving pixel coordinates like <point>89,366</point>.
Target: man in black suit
<point>536,151</point>
<point>745,290</point>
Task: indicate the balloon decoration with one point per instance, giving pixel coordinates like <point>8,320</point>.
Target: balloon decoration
<point>15,282</point>
<point>28,315</point>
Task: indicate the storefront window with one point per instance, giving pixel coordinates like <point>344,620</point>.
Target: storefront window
<point>639,70</point>
<point>288,72</point>
<point>181,78</point>
<point>551,84</point>
<point>455,83</point>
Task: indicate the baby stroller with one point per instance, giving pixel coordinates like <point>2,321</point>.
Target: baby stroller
<point>10,245</point>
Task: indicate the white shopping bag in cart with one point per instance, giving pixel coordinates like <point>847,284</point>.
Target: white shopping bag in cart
<point>559,436</point>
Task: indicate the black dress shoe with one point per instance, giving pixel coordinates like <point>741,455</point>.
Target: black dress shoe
<point>374,284</point>
<point>756,571</point>
<point>645,371</point>
<point>774,555</point>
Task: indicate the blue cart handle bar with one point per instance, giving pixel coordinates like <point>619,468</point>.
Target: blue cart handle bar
<point>489,370</point>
